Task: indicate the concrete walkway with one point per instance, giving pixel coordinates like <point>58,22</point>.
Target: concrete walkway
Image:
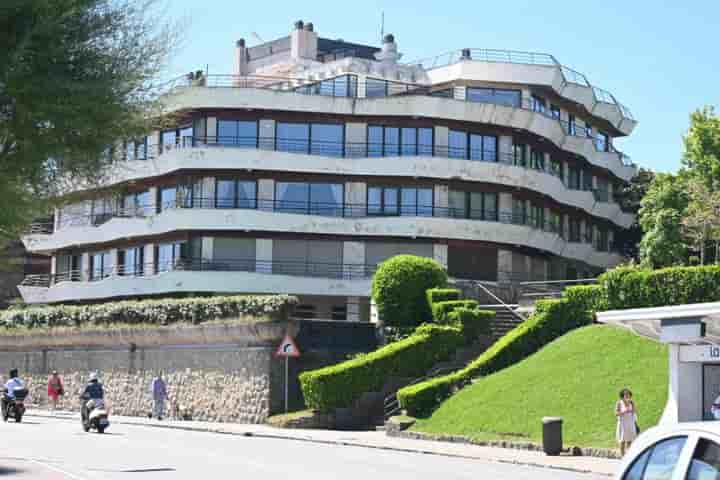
<point>372,440</point>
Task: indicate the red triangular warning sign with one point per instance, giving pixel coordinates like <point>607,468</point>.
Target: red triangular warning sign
<point>287,348</point>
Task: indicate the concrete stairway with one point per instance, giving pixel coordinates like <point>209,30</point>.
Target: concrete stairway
<point>504,320</point>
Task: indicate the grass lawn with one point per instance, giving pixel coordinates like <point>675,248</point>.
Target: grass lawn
<point>576,377</point>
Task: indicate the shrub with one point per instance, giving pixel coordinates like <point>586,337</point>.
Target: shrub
<point>435,295</point>
<point>339,385</point>
<point>551,319</point>
<point>399,287</point>
<point>442,310</point>
<point>629,287</point>
<point>473,322</point>
<point>157,312</point>
<point>591,298</point>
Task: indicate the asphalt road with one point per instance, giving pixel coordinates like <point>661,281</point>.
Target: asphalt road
<point>53,449</point>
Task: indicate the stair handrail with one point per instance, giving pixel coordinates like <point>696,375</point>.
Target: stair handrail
<point>392,398</point>
<point>499,300</point>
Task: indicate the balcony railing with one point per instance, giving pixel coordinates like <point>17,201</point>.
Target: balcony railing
<point>338,271</point>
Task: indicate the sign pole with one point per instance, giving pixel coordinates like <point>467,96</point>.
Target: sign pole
<point>287,360</point>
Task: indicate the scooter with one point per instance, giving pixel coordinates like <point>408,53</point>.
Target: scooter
<point>14,407</point>
<point>94,416</point>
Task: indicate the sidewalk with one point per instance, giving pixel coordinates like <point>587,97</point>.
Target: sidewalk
<point>371,440</point>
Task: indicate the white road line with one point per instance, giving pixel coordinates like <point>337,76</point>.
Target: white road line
<point>56,469</point>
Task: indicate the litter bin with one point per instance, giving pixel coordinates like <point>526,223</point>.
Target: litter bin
<point>552,435</point>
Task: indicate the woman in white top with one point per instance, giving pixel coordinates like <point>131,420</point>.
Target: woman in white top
<point>626,414</point>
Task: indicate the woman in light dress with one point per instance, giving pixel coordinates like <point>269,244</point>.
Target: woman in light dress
<point>626,414</point>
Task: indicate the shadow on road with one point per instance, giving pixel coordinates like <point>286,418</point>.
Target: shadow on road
<point>7,471</point>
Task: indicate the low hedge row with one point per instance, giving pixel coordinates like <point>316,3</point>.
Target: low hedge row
<point>552,318</point>
<point>441,310</point>
<point>340,385</point>
<point>473,322</point>
<point>435,295</point>
<point>591,298</point>
<point>630,287</point>
<point>157,312</point>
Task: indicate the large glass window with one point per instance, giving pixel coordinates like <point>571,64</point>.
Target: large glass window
<point>497,96</point>
<point>101,265</point>
<point>537,217</point>
<point>537,104</point>
<point>167,197</point>
<point>574,226</point>
<point>603,243</point>
<point>520,155</point>
<point>102,210</point>
<point>293,137</point>
<point>573,178</point>
<point>310,198</point>
<point>240,133</point>
<point>131,261</point>
<point>408,201</point>
<point>602,142</point>
<point>537,160</point>
<point>474,205</point>
<point>225,193</point>
<point>587,181</point>
<point>457,144</point>
<point>232,193</point>
<point>556,168</point>
<point>390,141</point>
<point>555,112</point>
<point>375,88</point>
<point>327,139</point>
<point>342,86</point>
<point>168,256</point>
<point>136,204</point>
<point>136,150</point>
<point>472,146</point>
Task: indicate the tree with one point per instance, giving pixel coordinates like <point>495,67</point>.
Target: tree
<point>76,76</point>
<point>701,219</point>
<point>701,158</point>
<point>661,211</point>
<point>629,197</point>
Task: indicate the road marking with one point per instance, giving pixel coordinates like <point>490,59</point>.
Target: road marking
<point>56,469</point>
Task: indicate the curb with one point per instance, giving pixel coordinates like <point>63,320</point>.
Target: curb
<point>344,443</point>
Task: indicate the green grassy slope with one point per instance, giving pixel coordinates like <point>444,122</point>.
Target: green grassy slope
<point>576,377</point>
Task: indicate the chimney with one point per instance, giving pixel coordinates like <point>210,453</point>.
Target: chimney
<point>241,58</point>
<point>303,41</point>
<point>389,53</point>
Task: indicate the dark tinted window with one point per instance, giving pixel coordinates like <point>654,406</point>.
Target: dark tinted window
<point>495,96</point>
<point>705,464</point>
<point>657,462</point>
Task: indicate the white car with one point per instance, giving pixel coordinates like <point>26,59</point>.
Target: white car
<point>681,451</point>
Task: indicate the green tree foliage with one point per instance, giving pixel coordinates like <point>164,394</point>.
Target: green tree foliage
<point>702,147</point>
<point>629,197</point>
<point>75,77</point>
<point>661,211</point>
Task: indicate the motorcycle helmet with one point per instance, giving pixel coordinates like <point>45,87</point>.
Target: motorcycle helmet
<point>13,373</point>
<point>93,376</point>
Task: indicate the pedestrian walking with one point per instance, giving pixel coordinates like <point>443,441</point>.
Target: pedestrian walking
<point>159,395</point>
<point>55,389</point>
<point>627,426</point>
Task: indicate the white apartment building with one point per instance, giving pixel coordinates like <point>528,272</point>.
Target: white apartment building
<point>317,159</point>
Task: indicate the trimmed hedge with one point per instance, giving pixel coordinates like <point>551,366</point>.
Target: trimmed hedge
<point>399,287</point>
<point>552,318</point>
<point>442,310</point>
<point>629,287</point>
<point>590,298</point>
<point>156,312</point>
<point>435,295</point>
<point>340,385</point>
<point>474,322</point>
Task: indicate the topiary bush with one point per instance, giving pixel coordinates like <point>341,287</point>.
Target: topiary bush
<point>399,286</point>
<point>155,312</point>
<point>435,295</point>
<point>552,318</point>
<point>589,297</point>
<point>473,322</point>
<point>339,385</point>
<point>442,310</point>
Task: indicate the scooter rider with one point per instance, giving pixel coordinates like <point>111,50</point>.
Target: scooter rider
<point>10,386</point>
<point>93,391</point>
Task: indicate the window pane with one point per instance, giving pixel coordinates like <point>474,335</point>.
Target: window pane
<point>663,459</point>
<point>481,95</point>
<point>186,136</point>
<point>510,98</point>
<point>520,155</point>
<point>408,201</point>
<point>165,257</point>
<point>247,195</point>
<point>476,205</point>
<point>168,139</point>
<point>375,88</point>
<point>168,198</point>
<point>425,141</point>
<point>425,202</point>
<point>409,141</point>
<point>247,133</point>
<point>326,199</point>
<point>476,147</point>
<point>375,141</point>
<point>705,463</point>
<point>490,148</point>
<point>292,197</point>
<point>374,201</point>
<point>293,137</point>
<point>327,139</point>
<point>638,467</point>
<point>457,144</point>
<point>390,198</point>
<point>227,132</point>
<point>456,203</point>
<point>225,193</point>
<point>490,210</point>
<point>392,141</point>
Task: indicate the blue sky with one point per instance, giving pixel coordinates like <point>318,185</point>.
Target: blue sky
<point>659,58</point>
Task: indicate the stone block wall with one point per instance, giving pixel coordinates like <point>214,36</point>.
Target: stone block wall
<point>210,383</point>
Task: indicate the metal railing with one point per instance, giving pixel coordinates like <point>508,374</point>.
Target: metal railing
<point>338,271</point>
<point>551,288</point>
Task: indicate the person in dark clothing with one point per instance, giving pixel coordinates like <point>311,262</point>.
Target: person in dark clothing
<point>93,391</point>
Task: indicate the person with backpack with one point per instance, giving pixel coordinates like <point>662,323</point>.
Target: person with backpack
<point>55,389</point>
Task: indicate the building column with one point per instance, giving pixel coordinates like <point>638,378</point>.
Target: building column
<point>266,194</point>
<point>263,255</point>
<point>505,266</point>
<point>441,201</point>
<point>207,249</point>
<point>149,260</point>
<point>211,130</point>
<point>266,134</point>
<point>115,257</point>
<point>355,140</point>
<point>353,260</point>
<point>442,137</point>
<point>528,267</point>
<point>355,199</point>
<point>85,267</point>
<point>547,161</point>
<point>353,309</point>
<point>611,189</point>
<point>440,254</point>
<point>362,86</point>
<point>505,204</point>
<point>53,265</point>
